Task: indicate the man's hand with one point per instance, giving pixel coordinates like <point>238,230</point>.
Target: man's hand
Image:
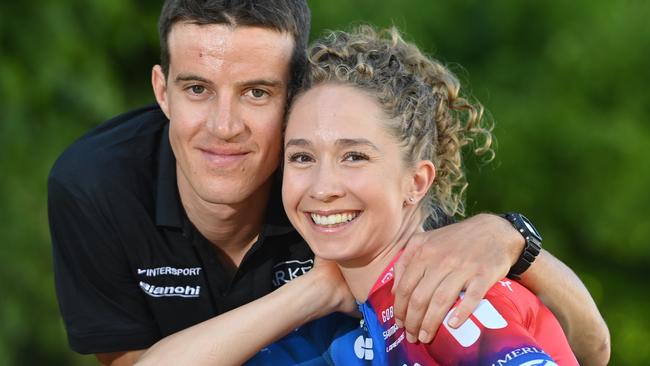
<point>436,266</point>
<point>334,288</point>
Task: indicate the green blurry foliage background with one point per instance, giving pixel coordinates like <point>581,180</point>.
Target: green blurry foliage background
<point>566,83</point>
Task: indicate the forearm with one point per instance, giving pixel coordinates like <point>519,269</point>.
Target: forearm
<point>569,300</point>
<point>234,337</point>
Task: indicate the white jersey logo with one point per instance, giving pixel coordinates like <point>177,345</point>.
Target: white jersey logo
<point>468,333</point>
<point>170,291</point>
<point>289,270</point>
<point>506,284</point>
<point>539,363</point>
<point>169,271</point>
<point>511,358</point>
<point>363,348</point>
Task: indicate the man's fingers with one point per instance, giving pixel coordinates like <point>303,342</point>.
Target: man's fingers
<point>421,300</point>
<point>424,316</point>
<point>402,263</point>
<point>475,291</point>
<point>403,291</point>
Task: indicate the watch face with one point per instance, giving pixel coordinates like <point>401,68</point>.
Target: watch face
<point>530,227</point>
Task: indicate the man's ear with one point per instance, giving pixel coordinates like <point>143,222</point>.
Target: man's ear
<point>423,175</point>
<point>159,84</point>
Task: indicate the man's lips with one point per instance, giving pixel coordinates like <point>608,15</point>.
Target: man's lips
<point>224,156</point>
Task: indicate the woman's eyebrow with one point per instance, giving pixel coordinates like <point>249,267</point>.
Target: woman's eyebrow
<point>298,142</point>
<point>355,142</point>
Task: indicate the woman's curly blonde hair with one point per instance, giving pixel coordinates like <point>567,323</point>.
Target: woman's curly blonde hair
<point>421,97</point>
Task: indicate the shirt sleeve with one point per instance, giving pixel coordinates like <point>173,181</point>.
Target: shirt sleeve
<point>102,307</point>
<point>509,327</point>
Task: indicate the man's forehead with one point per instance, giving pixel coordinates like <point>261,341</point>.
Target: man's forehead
<point>220,35</point>
<point>236,53</point>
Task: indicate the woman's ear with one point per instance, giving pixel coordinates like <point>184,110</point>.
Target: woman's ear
<point>421,180</point>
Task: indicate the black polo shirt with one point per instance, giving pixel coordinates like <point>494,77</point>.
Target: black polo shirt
<point>129,266</point>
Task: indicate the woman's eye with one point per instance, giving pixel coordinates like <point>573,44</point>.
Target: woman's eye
<point>355,156</point>
<point>300,158</point>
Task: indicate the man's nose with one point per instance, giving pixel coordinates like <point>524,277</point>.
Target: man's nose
<point>225,120</point>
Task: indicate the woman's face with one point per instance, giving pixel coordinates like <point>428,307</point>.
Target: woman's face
<point>344,178</point>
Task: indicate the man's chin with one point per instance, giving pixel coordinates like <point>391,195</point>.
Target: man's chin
<point>225,198</point>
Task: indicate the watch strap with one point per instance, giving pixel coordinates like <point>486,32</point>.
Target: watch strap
<point>532,243</point>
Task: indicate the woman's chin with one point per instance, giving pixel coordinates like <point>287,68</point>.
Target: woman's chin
<point>331,254</point>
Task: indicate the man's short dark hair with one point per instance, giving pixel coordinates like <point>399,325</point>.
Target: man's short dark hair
<point>291,16</point>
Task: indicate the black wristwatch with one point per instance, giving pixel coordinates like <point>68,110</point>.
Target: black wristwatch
<point>532,245</point>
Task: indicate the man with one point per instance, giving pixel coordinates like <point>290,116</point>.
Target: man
<point>166,222</point>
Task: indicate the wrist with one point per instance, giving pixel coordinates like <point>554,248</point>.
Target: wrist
<point>316,296</point>
<point>513,241</point>
<point>532,243</point>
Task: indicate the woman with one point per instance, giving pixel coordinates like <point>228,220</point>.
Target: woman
<point>372,152</point>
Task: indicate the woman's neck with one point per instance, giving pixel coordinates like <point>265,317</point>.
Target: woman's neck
<point>361,276</point>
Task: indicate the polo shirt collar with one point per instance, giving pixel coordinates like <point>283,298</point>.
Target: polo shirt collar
<point>169,211</point>
<point>168,204</point>
<point>275,220</point>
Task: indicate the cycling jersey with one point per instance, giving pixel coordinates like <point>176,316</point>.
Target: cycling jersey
<point>510,326</point>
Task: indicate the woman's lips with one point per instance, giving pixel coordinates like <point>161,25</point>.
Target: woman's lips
<point>331,221</point>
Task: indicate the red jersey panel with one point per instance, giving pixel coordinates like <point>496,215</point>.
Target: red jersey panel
<point>511,326</point>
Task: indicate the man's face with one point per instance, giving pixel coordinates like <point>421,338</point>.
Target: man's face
<point>225,96</point>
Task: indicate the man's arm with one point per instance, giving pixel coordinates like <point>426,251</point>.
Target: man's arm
<point>102,307</point>
<point>473,255</point>
<point>127,358</point>
<point>569,300</point>
<point>235,336</point>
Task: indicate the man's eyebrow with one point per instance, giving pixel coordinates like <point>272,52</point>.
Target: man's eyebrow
<point>298,142</point>
<point>355,142</point>
<point>191,77</point>
<point>272,83</point>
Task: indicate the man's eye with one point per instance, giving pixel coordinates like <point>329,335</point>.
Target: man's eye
<point>197,89</point>
<point>257,93</point>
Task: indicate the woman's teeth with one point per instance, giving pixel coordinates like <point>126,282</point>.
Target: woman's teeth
<point>333,219</point>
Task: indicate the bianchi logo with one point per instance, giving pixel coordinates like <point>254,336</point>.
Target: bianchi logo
<point>286,271</point>
<point>169,291</point>
<point>363,348</point>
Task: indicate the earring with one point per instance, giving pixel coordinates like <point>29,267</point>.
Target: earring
<point>409,201</point>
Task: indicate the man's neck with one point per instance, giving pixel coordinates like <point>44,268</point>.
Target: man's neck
<point>232,228</point>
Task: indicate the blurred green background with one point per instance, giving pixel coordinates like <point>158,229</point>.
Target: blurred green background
<point>566,83</point>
